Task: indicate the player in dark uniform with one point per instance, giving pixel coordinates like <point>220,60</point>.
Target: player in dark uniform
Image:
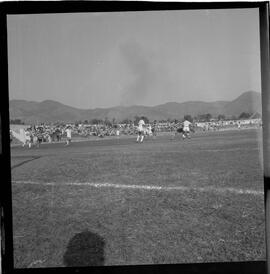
<point>154,129</point>
<point>39,137</point>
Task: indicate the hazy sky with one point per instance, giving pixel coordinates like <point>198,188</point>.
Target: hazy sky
<point>90,60</point>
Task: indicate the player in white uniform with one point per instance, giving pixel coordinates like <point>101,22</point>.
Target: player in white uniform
<point>68,131</point>
<point>117,133</point>
<point>28,138</point>
<point>140,131</point>
<point>186,129</point>
<point>150,133</point>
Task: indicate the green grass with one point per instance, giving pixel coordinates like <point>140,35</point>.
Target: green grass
<point>138,226</point>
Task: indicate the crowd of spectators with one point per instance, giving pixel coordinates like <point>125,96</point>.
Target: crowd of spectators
<point>57,133</point>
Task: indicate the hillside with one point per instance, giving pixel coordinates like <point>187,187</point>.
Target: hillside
<point>52,111</point>
<point>249,102</point>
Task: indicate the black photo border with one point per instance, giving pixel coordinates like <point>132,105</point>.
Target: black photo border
<point>46,7</point>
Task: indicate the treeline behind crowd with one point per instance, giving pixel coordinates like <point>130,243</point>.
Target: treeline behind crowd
<point>199,118</point>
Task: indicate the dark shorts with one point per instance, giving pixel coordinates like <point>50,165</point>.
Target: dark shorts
<point>140,132</point>
<point>40,140</point>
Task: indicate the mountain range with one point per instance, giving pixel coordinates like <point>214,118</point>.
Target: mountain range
<point>52,111</point>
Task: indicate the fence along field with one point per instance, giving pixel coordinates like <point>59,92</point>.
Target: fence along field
<point>116,202</point>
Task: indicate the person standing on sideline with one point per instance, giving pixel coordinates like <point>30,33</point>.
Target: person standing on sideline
<point>140,131</point>
<point>68,132</point>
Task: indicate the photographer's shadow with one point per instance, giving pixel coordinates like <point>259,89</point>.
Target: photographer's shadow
<point>85,249</point>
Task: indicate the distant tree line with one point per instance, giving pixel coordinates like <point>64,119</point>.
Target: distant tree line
<point>110,122</point>
<point>16,122</point>
<point>113,121</point>
<point>200,118</point>
<point>221,117</point>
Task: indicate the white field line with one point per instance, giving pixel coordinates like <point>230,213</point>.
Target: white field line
<point>217,190</point>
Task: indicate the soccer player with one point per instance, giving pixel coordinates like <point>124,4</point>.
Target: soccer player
<point>35,138</point>
<point>39,137</point>
<point>186,129</point>
<point>68,132</point>
<point>149,130</point>
<point>117,132</point>
<point>28,138</point>
<point>140,131</point>
<point>154,129</point>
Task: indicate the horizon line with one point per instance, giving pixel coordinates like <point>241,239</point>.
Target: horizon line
<point>126,106</point>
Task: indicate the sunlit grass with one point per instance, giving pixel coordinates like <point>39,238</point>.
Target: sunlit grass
<point>141,226</point>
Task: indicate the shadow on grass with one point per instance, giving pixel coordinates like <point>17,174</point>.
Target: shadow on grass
<point>30,159</point>
<point>85,249</point>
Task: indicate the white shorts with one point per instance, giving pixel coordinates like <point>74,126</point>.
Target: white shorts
<point>186,129</point>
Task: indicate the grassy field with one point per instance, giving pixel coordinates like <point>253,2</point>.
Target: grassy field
<point>116,202</point>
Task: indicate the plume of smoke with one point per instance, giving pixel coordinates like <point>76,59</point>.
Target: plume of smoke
<point>141,65</point>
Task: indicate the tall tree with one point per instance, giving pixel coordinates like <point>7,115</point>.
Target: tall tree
<point>188,118</point>
<point>221,117</point>
<point>244,115</point>
<point>205,117</point>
